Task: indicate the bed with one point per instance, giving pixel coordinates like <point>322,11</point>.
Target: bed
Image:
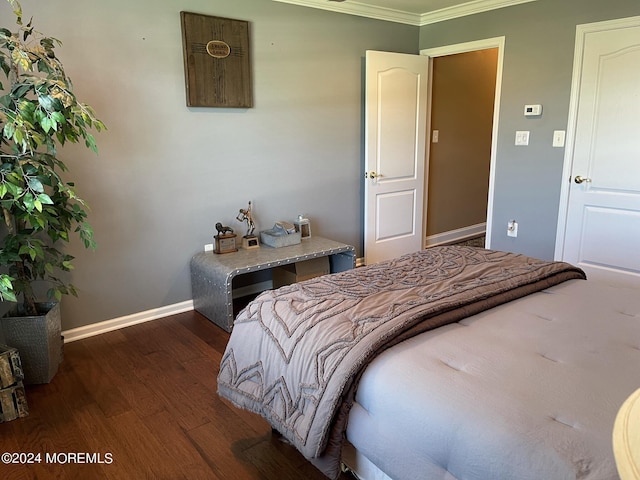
<point>449,363</point>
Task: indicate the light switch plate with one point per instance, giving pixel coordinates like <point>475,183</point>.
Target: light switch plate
<point>522,138</point>
<point>558,138</point>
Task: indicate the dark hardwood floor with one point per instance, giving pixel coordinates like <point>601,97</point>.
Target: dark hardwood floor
<point>143,400</point>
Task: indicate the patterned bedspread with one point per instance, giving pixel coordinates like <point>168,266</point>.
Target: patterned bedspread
<point>295,354</point>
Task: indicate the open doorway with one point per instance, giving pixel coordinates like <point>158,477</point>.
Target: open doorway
<point>462,102</point>
<point>465,93</point>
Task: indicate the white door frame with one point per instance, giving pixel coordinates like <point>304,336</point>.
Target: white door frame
<point>495,42</point>
<point>581,33</point>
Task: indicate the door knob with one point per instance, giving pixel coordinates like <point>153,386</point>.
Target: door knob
<point>580,179</point>
<point>372,175</point>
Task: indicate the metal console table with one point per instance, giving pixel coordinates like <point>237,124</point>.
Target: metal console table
<point>212,274</point>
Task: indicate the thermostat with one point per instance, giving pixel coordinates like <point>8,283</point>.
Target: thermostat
<point>532,110</point>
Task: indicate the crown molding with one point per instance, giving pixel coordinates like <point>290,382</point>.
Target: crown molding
<point>399,16</point>
<point>360,9</point>
<point>468,8</point>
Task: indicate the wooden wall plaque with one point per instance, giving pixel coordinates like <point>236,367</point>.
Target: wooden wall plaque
<point>217,61</point>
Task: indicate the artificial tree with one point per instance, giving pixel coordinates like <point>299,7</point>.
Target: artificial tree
<point>38,113</point>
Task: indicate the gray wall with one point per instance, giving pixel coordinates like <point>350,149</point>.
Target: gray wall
<point>166,173</point>
<point>538,63</point>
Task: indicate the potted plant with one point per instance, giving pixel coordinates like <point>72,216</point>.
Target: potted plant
<point>38,114</point>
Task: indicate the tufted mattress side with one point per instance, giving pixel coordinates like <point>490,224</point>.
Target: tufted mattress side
<point>526,390</point>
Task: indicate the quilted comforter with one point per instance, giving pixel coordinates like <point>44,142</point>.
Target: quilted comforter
<point>295,354</point>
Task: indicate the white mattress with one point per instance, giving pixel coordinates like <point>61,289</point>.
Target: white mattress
<point>527,390</point>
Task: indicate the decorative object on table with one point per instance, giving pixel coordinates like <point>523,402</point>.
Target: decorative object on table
<point>249,240</point>
<point>13,401</point>
<point>225,239</point>
<point>217,61</point>
<point>289,228</point>
<point>282,234</point>
<point>303,225</point>
<point>223,230</point>
<point>38,114</point>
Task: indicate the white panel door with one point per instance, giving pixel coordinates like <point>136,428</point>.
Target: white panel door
<point>395,130</point>
<point>603,216</point>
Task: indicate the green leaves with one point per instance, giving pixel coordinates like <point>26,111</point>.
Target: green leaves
<point>39,113</point>
<point>86,235</point>
<point>6,289</point>
<point>35,184</point>
<point>33,249</point>
<point>48,102</point>
<point>9,130</point>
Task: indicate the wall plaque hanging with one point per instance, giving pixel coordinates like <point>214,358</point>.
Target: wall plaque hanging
<point>217,61</point>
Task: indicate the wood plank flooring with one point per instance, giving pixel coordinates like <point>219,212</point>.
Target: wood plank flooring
<point>143,401</point>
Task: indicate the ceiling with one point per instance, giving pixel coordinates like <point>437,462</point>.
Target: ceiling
<point>412,12</point>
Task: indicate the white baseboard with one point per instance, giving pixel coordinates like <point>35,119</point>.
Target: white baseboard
<point>457,235</point>
<point>126,321</point>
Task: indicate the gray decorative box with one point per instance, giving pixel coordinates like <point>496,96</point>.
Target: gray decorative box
<point>276,239</point>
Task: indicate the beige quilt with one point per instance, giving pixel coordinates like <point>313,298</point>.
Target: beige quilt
<point>295,354</point>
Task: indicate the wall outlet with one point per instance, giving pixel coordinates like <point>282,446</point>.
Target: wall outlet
<point>208,247</point>
<point>512,228</point>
